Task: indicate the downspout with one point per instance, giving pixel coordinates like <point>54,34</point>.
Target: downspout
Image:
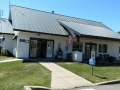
<point>78,39</point>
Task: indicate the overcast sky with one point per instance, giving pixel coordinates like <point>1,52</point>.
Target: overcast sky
<point>105,11</point>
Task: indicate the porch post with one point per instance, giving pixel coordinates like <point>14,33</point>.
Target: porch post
<point>78,39</point>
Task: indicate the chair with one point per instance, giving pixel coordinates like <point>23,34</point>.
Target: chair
<point>101,56</point>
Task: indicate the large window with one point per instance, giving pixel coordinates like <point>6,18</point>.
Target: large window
<point>74,48</point>
<point>103,48</point>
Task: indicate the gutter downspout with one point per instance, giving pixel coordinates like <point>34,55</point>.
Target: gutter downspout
<point>78,39</point>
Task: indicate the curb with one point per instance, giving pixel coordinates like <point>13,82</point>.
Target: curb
<point>109,82</point>
<point>36,88</point>
<point>101,83</point>
<point>96,84</point>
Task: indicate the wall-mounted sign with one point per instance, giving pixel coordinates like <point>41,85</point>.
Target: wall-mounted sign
<point>93,54</point>
<point>26,41</point>
<point>22,40</point>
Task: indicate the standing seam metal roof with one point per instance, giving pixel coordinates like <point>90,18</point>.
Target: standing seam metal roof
<point>27,19</point>
<point>5,27</point>
<point>88,30</point>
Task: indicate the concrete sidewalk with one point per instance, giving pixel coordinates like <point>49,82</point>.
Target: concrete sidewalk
<point>62,78</point>
<point>11,60</point>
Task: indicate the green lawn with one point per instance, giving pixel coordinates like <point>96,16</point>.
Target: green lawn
<point>102,72</point>
<point>15,75</point>
<point>6,58</point>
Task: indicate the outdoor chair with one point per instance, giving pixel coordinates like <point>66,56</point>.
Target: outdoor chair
<point>101,57</point>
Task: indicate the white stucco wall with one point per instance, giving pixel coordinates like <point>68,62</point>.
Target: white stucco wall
<point>8,43</point>
<point>23,48</point>
<point>112,46</point>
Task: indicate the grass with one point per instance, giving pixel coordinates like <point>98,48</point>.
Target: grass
<point>6,58</point>
<point>15,75</point>
<point>102,72</point>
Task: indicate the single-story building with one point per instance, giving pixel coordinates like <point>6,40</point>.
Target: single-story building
<point>6,34</point>
<point>40,34</point>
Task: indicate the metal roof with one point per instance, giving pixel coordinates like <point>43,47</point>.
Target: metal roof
<point>5,27</point>
<point>90,30</point>
<point>26,19</point>
<point>41,21</point>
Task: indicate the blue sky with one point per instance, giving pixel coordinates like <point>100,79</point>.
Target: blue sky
<point>105,11</point>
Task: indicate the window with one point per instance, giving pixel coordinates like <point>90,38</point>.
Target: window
<point>103,48</point>
<point>74,48</point>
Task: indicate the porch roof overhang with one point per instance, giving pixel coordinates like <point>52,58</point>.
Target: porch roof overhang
<point>91,31</point>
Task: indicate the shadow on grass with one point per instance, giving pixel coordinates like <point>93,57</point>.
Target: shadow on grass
<point>100,77</point>
<point>30,61</point>
<point>47,60</point>
<point>107,64</point>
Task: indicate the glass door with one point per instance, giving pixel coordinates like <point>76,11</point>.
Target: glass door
<point>88,48</point>
<point>49,51</point>
<point>33,47</point>
<point>42,48</point>
<point>87,51</point>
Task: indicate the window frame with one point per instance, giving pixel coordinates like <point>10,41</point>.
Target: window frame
<point>74,46</point>
<point>103,48</point>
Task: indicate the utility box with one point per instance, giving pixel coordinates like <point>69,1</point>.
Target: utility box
<point>77,56</point>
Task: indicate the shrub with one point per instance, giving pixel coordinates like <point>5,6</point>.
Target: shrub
<point>69,56</point>
<point>5,52</point>
<point>97,59</point>
<point>111,59</point>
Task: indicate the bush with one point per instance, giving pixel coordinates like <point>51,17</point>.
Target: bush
<point>111,59</point>
<point>69,56</point>
<point>5,52</point>
<point>97,59</point>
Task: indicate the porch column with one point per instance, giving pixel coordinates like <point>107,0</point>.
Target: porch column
<point>78,39</point>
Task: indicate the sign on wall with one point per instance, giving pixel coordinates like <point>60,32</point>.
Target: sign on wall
<point>26,41</point>
<point>93,54</point>
<point>22,40</point>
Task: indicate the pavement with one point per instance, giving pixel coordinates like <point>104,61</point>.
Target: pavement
<point>64,79</point>
<point>100,87</point>
<point>11,60</point>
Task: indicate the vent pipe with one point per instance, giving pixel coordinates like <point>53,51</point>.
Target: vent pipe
<point>52,12</point>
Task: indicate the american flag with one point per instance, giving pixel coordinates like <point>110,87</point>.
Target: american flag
<point>69,40</point>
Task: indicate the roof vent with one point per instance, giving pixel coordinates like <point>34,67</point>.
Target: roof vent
<point>52,12</point>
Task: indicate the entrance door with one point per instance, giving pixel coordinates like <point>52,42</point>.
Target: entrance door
<point>49,51</point>
<point>33,47</point>
<point>88,48</point>
<point>42,48</point>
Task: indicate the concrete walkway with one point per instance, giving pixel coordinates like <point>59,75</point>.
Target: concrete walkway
<point>10,60</point>
<point>62,78</point>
